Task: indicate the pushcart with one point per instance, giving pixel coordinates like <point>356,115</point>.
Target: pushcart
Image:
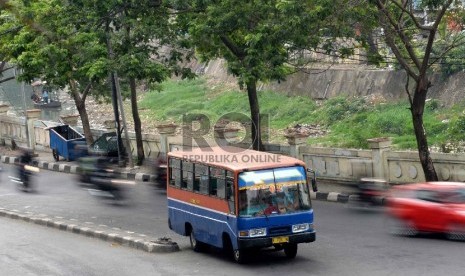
<point>65,141</point>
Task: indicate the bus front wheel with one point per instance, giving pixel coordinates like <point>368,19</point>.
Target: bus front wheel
<point>290,250</point>
<point>239,256</point>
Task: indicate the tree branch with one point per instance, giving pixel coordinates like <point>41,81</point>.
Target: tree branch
<point>453,45</point>
<point>432,34</point>
<point>86,91</point>
<point>400,58</point>
<point>407,90</point>
<point>405,40</point>
<point>412,16</point>
<point>233,48</point>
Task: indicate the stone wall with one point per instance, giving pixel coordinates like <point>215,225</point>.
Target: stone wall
<point>336,165</point>
<point>335,80</point>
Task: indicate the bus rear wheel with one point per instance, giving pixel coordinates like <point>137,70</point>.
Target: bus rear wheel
<point>196,245</point>
<point>290,250</point>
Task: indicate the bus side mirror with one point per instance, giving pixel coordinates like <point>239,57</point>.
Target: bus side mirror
<point>311,178</point>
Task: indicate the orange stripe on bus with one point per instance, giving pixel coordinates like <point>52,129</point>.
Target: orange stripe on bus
<point>211,202</point>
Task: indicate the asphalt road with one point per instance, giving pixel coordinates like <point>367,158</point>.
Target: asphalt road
<point>348,242</point>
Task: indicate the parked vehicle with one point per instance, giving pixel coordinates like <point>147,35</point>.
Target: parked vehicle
<point>437,207</point>
<point>103,152</point>
<point>106,145</point>
<point>217,197</point>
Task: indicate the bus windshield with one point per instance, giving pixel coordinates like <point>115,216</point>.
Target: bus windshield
<point>273,192</point>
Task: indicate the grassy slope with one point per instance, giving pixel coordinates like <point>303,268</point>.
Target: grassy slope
<point>349,121</point>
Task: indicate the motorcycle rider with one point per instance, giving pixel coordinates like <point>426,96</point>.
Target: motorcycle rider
<point>25,158</point>
<point>102,177</point>
<point>370,191</point>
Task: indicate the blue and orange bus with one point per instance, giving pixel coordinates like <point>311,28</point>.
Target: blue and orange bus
<point>240,200</point>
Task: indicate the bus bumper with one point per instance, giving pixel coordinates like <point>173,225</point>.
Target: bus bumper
<point>267,242</point>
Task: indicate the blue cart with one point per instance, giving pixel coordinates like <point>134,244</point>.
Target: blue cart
<point>65,141</point>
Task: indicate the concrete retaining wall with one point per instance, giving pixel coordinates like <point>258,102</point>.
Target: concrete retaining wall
<point>342,166</point>
<point>333,80</point>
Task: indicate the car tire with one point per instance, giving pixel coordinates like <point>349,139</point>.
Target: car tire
<point>456,232</point>
<point>399,227</point>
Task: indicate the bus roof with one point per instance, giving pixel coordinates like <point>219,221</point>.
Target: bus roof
<point>236,159</point>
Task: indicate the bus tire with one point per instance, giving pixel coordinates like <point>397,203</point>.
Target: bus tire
<point>290,250</point>
<point>239,256</point>
<point>196,245</point>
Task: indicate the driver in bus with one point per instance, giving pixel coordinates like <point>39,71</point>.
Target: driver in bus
<point>270,207</point>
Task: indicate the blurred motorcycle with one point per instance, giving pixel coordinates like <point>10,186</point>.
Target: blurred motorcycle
<point>23,179</point>
<point>102,180</point>
<point>371,193</point>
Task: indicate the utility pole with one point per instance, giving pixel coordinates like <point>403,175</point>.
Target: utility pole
<point>126,134</point>
<point>114,101</point>
<point>23,94</point>
<point>117,100</point>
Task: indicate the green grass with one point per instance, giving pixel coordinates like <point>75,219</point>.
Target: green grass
<point>349,121</point>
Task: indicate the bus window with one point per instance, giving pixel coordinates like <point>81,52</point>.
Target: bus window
<point>215,175</point>
<point>221,188</point>
<point>175,172</point>
<point>284,189</point>
<point>201,179</point>
<point>187,175</point>
<point>230,191</point>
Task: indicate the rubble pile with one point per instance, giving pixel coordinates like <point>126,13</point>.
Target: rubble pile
<point>309,130</point>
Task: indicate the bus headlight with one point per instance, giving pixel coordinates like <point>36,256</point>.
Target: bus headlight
<point>296,228</point>
<point>257,232</point>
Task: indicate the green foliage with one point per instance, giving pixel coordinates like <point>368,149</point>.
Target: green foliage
<point>338,108</point>
<point>457,127</point>
<point>254,37</point>
<point>453,62</point>
<point>350,121</point>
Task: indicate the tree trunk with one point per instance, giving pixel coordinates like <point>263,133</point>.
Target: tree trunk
<point>81,107</point>
<point>255,115</point>
<point>417,108</point>
<point>137,123</point>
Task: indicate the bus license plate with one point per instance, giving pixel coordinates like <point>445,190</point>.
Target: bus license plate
<point>276,240</point>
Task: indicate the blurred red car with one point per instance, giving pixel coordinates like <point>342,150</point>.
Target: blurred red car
<point>428,207</point>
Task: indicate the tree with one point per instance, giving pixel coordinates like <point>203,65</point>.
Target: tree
<point>255,37</point>
<point>137,26</point>
<point>411,41</point>
<point>50,45</point>
<point>136,31</point>
<point>8,27</point>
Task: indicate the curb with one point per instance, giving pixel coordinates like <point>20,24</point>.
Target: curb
<point>330,196</point>
<point>74,169</point>
<point>102,232</point>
